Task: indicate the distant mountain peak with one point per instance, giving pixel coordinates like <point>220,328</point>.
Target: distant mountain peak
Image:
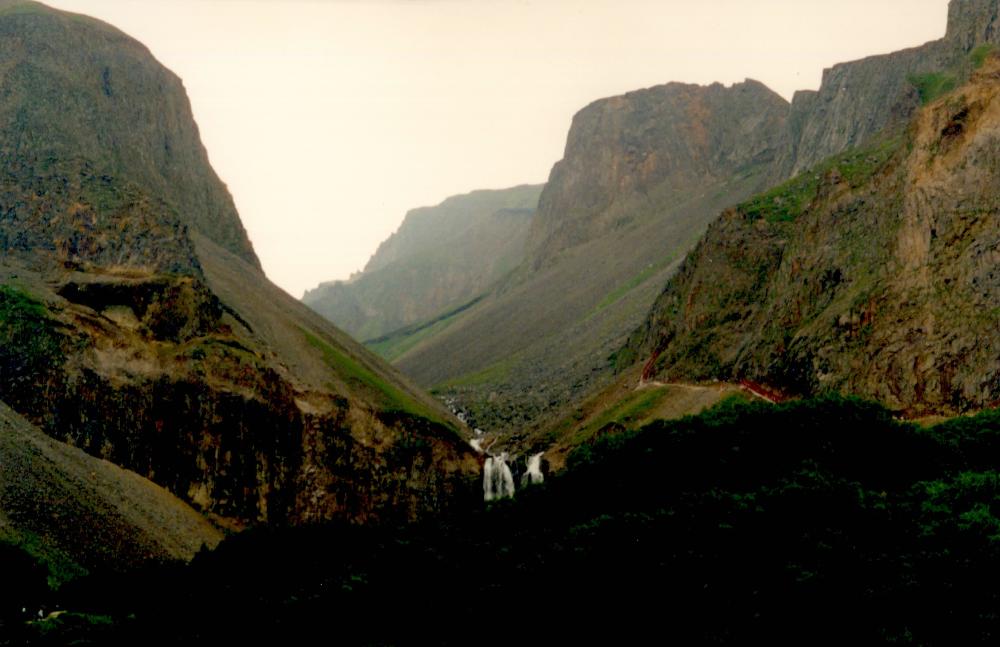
<point>439,259</point>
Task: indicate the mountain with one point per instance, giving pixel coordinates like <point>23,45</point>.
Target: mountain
<point>872,274</point>
<point>75,513</point>
<point>627,155</point>
<point>642,176</point>
<point>77,90</point>
<point>136,323</point>
<point>440,259</point>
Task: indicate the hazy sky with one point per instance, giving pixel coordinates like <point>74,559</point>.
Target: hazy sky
<point>330,119</point>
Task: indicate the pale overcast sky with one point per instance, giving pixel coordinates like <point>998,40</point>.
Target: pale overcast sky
<point>330,119</point>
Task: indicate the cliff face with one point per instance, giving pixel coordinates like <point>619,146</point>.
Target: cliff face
<point>74,89</point>
<point>879,280</point>
<point>972,22</point>
<point>440,258</point>
<point>137,325</point>
<point>857,100</point>
<point>622,151</point>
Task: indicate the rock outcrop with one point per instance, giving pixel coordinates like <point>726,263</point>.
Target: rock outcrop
<point>859,99</point>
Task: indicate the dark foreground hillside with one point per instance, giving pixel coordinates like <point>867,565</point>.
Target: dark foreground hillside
<point>816,522</point>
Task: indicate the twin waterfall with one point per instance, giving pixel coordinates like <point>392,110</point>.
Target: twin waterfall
<point>498,479</point>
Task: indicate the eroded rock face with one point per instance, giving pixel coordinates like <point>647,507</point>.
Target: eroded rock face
<point>80,513</point>
<point>883,285</point>
<point>159,376</point>
<point>971,22</point>
<point>665,138</point>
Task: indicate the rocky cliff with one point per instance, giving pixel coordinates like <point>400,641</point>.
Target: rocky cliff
<point>73,89</point>
<point>872,274</point>
<point>440,259</point>
<point>137,325</point>
<point>857,100</point>
<point>625,152</point>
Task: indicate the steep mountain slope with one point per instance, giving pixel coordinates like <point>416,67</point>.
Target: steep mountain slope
<point>641,178</point>
<point>874,274</point>
<point>77,513</point>
<point>137,325</point>
<point>440,259</point>
<point>544,335</point>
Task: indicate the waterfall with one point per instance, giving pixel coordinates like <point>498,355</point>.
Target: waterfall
<point>534,474</point>
<point>477,444</point>
<point>498,481</point>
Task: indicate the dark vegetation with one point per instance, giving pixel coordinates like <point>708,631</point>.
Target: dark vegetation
<point>29,345</point>
<point>815,522</point>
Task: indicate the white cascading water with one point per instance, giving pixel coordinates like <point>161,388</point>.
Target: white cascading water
<point>534,474</point>
<point>498,481</point>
